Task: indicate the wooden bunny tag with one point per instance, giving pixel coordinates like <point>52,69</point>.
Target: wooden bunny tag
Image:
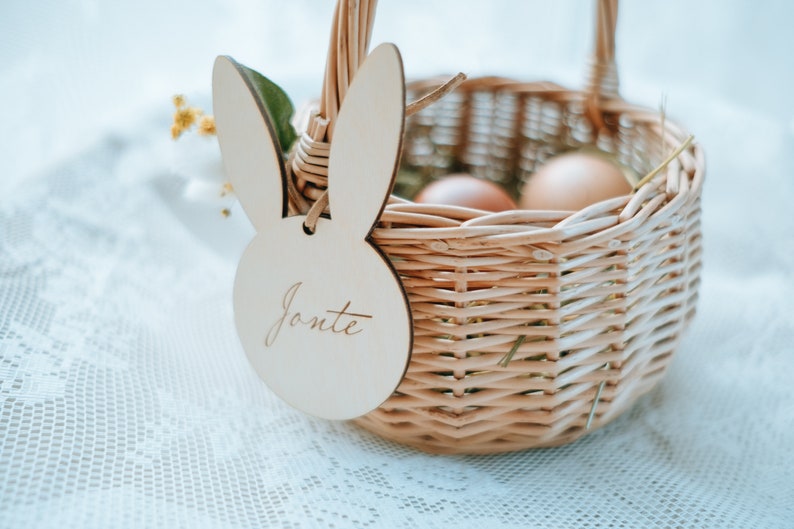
<point>322,316</point>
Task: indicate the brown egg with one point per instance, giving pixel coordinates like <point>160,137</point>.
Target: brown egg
<point>461,189</point>
<point>573,181</point>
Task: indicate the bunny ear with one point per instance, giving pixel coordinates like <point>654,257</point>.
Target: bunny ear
<point>249,146</point>
<point>367,142</point>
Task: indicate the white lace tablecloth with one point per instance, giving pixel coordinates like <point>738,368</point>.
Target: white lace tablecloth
<point>126,401</point>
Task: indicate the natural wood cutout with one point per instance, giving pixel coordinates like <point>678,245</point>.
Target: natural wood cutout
<point>322,316</point>
<point>341,321</point>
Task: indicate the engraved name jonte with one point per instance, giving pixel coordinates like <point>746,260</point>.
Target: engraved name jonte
<point>336,321</point>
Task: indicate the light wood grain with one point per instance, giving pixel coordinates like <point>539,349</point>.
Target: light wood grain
<point>367,142</point>
<point>322,317</point>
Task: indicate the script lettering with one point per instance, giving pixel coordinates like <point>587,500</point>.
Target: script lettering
<point>341,321</point>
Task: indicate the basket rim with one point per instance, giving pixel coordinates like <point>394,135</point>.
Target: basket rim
<point>435,222</point>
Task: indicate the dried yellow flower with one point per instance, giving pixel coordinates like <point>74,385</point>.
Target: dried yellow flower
<point>226,212</point>
<point>226,189</point>
<point>184,118</point>
<point>206,126</point>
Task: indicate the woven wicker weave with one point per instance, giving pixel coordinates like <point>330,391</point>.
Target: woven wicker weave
<point>531,327</point>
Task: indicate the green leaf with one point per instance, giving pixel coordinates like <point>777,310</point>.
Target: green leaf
<point>277,104</point>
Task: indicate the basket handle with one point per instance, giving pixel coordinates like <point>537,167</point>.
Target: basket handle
<point>602,80</point>
<point>351,31</point>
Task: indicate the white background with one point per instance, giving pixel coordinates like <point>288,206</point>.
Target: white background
<point>85,89</point>
<point>74,69</point>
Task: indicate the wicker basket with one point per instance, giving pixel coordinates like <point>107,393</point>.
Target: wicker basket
<point>531,327</point>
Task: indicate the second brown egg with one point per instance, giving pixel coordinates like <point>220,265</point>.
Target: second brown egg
<point>573,181</point>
